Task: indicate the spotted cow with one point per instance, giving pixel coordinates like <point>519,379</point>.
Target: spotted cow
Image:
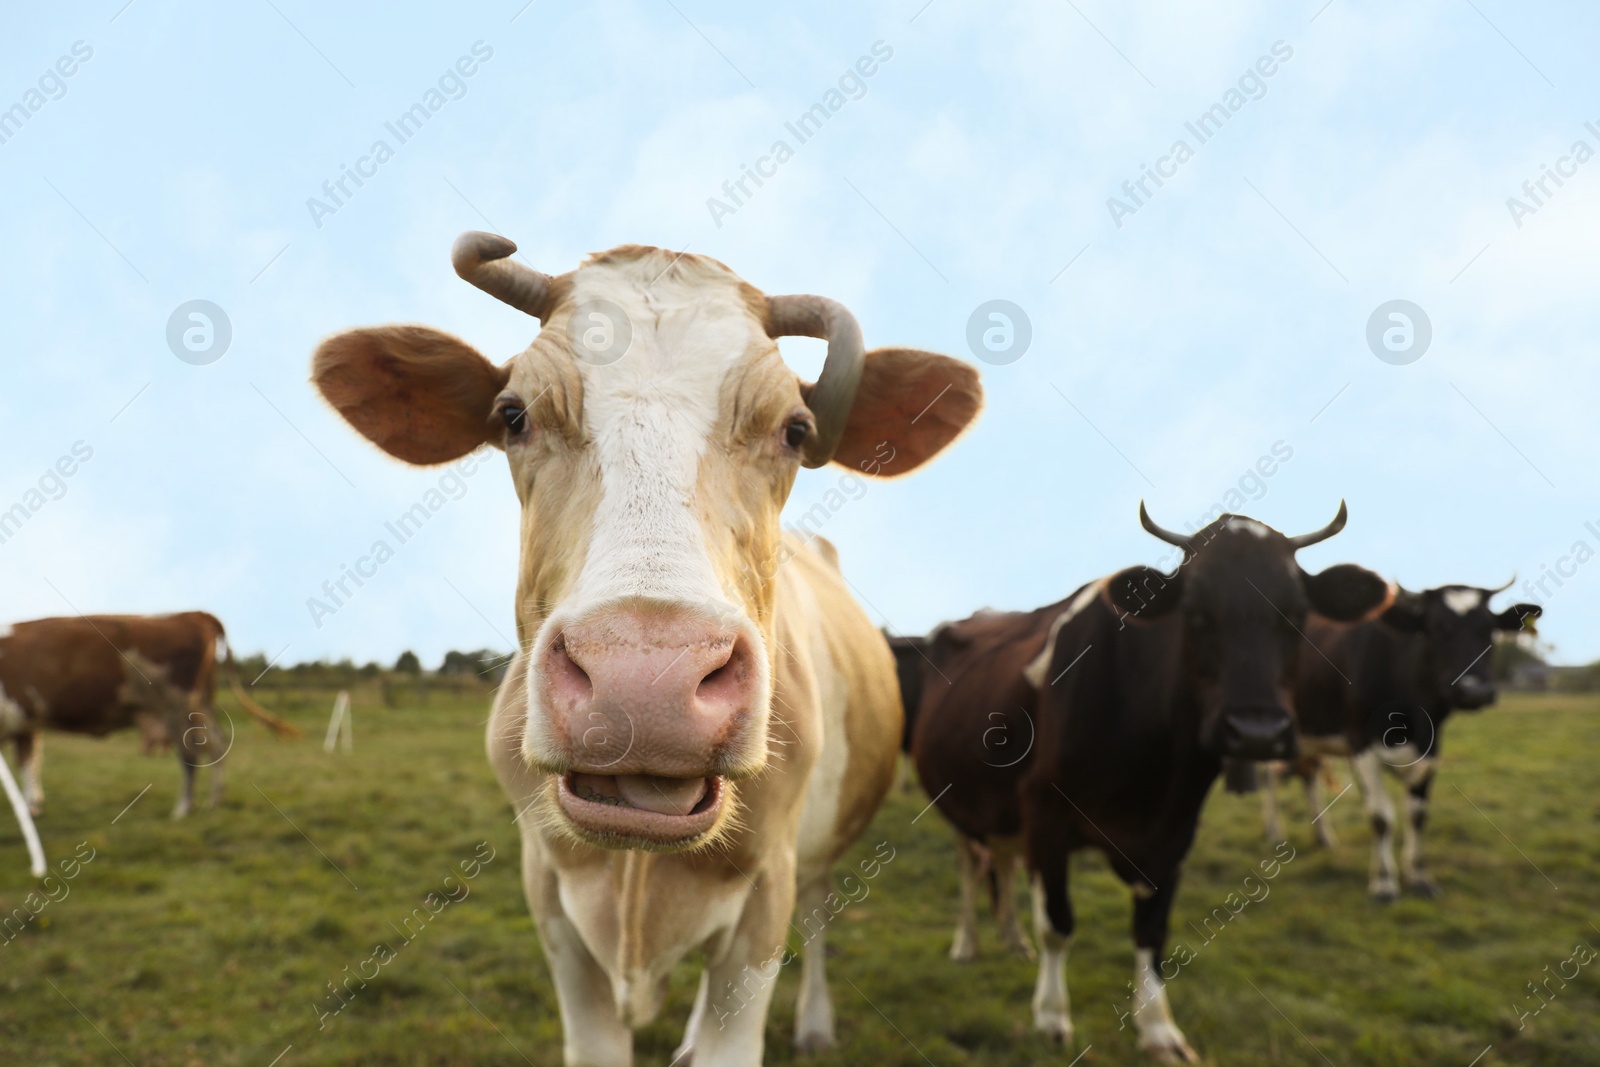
<point>699,718</point>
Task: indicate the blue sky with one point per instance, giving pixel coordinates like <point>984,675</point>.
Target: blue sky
<point>1172,347</point>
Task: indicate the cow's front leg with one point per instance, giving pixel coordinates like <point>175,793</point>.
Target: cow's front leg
<point>1411,869</point>
<point>592,1034</point>
<point>813,1014</point>
<point>683,1055</point>
<point>30,760</point>
<point>742,980</point>
<point>1159,1035</point>
<point>1383,883</point>
<point>1052,927</point>
<point>964,946</point>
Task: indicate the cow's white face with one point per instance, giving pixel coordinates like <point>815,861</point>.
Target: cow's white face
<point>651,502</point>
<point>651,482</point>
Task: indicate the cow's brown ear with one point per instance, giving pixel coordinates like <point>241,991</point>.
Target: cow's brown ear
<point>910,405</point>
<point>1144,593</point>
<point>1348,593</point>
<point>417,393</point>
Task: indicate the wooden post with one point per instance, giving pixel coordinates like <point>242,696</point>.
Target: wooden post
<point>341,723</point>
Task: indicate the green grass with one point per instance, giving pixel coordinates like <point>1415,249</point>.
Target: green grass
<point>211,941</point>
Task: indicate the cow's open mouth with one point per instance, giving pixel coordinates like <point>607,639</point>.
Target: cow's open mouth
<point>629,808</point>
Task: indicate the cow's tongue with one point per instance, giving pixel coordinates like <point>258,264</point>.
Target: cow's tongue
<point>664,796</point>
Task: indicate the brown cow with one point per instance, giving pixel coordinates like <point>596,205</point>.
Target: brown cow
<point>978,661</point>
<point>95,674</point>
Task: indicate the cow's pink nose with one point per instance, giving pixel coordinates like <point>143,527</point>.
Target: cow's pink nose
<point>649,690</point>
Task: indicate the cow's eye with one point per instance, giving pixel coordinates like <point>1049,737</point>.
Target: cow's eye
<point>515,416</point>
<point>794,434</point>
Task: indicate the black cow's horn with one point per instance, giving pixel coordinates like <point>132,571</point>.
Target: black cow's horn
<point>1181,540</point>
<point>834,393</point>
<point>484,260</point>
<point>1306,539</point>
<point>1503,588</point>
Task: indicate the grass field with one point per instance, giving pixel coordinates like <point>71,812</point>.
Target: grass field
<point>211,941</point>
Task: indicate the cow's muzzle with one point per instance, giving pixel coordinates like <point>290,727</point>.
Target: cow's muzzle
<point>1473,694</point>
<point>1256,733</point>
<point>646,710</point>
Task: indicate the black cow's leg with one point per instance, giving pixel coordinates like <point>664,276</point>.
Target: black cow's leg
<point>1411,869</point>
<point>1052,924</point>
<point>30,757</point>
<point>1382,882</point>
<point>1159,1035</point>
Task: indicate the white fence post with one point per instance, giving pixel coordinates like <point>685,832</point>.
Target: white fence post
<point>341,723</point>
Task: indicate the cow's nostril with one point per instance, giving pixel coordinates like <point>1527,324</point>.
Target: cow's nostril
<point>725,682</point>
<point>712,680</point>
<point>563,673</point>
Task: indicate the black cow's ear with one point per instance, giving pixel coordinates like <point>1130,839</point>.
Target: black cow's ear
<point>1518,617</point>
<point>1407,614</point>
<point>1144,593</point>
<point>1347,593</point>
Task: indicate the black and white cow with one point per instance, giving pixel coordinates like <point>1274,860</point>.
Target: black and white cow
<point>1145,682</point>
<point>1380,692</point>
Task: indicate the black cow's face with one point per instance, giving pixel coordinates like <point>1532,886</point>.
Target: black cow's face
<point>1459,629</point>
<point>1242,601</point>
<point>1243,610</point>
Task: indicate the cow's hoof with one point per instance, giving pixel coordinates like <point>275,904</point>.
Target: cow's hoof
<point>964,949</point>
<point>181,811</point>
<point>1165,1043</point>
<point>1426,888</point>
<point>1384,894</point>
<point>806,1044</point>
<point>1054,1025</point>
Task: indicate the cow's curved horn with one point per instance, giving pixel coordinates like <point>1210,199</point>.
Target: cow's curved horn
<point>834,393</point>
<point>1306,539</point>
<point>1503,588</point>
<point>1171,538</point>
<point>484,260</point>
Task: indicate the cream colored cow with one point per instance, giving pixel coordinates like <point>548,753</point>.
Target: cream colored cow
<point>699,717</point>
